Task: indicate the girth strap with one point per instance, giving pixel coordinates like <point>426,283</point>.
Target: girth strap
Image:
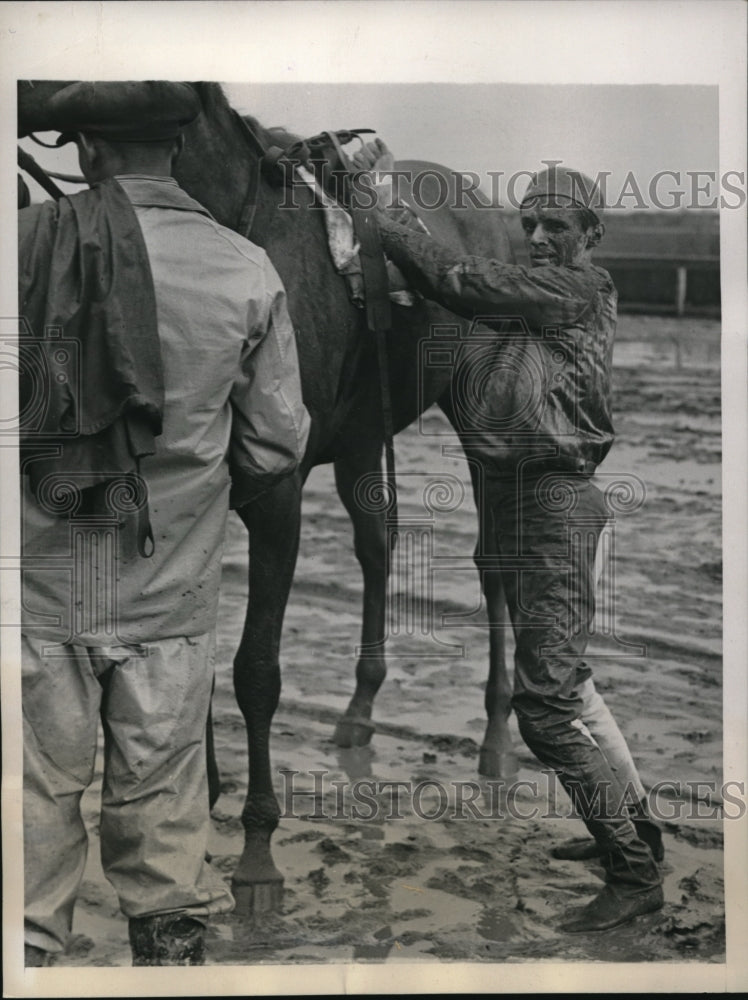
<point>378,320</point>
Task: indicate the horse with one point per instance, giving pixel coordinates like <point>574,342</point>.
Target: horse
<point>220,166</point>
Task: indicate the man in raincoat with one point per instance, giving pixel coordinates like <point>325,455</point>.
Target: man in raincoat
<point>170,378</point>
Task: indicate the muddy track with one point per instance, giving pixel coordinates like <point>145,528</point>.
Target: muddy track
<point>426,878</point>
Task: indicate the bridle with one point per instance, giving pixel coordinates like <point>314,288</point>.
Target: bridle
<point>251,198</point>
<point>42,177</point>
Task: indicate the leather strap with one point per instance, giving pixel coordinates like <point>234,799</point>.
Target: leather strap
<point>27,162</point>
<point>249,206</point>
<point>144,533</point>
<point>378,320</point>
<point>267,161</point>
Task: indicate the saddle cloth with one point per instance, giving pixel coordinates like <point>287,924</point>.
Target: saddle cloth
<point>344,248</point>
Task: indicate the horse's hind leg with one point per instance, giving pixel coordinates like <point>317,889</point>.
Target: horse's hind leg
<point>497,757</point>
<point>273,524</point>
<point>355,728</point>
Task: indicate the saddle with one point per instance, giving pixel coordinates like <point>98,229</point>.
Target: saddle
<point>322,161</point>
<point>322,164</point>
<point>321,154</point>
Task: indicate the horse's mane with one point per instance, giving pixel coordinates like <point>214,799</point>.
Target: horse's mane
<point>215,104</point>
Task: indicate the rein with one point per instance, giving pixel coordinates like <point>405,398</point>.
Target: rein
<point>27,162</point>
<point>43,177</point>
<point>40,142</point>
<point>251,198</point>
<point>70,178</point>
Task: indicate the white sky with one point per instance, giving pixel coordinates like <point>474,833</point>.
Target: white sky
<point>511,127</point>
<point>637,129</point>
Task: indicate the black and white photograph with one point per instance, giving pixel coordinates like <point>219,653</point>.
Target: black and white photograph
<point>374,433</point>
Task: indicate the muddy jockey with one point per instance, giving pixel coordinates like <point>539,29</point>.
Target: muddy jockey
<point>182,326</point>
<point>561,385</point>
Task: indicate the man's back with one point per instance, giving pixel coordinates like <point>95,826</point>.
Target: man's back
<point>188,375</point>
<point>217,300</point>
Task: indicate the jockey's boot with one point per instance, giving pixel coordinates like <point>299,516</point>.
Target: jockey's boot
<point>633,880</point>
<point>167,939</point>
<point>35,958</point>
<point>615,904</point>
<point>633,884</point>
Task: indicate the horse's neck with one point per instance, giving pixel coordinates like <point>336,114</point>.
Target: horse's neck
<point>220,168</point>
<point>215,169</point>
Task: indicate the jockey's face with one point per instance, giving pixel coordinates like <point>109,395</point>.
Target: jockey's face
<point>556,236</point>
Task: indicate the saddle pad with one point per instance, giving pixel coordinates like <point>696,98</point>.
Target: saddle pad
<point>344,248</point>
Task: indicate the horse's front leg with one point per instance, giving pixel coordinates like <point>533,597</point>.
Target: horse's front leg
<point>273,524</point>
<point>355,474</point>
<point>497,757</point>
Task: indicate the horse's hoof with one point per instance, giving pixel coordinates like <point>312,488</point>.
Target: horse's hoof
<point>261,897</point>
<point>497,763</point>
<point>353,731</point>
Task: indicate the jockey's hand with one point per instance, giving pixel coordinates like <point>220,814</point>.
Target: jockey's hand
<point>374,156</point>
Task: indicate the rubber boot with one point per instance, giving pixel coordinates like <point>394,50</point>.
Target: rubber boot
<point>634,883</point>
<point>167,939</point>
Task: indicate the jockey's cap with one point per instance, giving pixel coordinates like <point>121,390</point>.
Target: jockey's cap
<point>131,111</point>
<point>566,187</point>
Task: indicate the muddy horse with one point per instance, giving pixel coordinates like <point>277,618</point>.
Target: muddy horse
<point>222,167</point>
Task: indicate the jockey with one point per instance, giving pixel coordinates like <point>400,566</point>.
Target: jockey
<point>540,427</point>
<point>172,369</point>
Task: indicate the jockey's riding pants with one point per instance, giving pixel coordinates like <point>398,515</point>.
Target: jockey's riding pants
<point>547,531</point>
<point>153,701</point>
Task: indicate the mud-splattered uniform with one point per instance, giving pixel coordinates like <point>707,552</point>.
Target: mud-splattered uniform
<point>533,404</point>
